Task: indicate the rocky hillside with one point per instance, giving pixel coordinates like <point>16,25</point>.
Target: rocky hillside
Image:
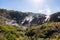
<point>55,17</point>
<point>19,18</point>
<point>12,17</point>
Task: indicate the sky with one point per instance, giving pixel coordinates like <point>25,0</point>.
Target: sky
<point>36,6</point>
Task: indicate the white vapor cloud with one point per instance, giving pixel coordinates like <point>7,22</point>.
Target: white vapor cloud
<point>46,10</point>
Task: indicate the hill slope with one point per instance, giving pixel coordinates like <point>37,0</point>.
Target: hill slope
<point>21,18</point>
<point>36,29</point>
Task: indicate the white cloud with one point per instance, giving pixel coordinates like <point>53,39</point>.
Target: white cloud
<point>41,11</point>
<point>57,8</point>
<point>48,10</point>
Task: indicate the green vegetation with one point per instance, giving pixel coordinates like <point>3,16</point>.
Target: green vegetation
<point>10,32</point>
<point>47,31</point>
